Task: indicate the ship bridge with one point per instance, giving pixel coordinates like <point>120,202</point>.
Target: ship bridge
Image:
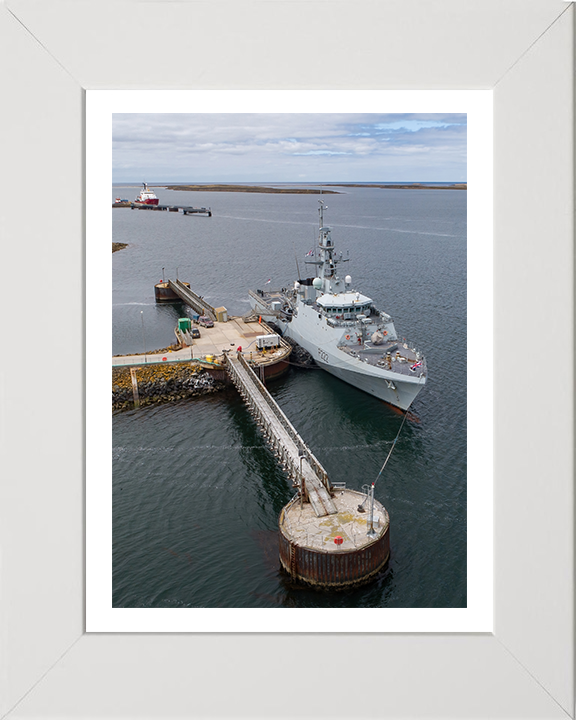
<point>345,302</point>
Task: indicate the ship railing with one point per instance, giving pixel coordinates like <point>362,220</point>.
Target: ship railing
<point>403,366</point>
<point>283,420</point>
<point>264,301</point>
<point>258,295</point>
<point>402,342</point>
<point>399,342</point>
<point>341,323</point>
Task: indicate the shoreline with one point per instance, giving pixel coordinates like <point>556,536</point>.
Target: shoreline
<point>248,189</point>
<point>311,191</point>
<point>404,186</point>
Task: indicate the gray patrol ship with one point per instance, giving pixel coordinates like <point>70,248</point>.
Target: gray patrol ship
<point>342,329</point>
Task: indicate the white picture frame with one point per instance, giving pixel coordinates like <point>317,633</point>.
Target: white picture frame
<point>56,50</point>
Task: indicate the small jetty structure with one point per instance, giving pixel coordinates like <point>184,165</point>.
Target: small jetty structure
<point>176,290</point>
<point>208,351</point>
<point>184,209</point>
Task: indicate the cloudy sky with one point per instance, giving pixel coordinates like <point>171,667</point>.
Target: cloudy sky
<point>288,148</point>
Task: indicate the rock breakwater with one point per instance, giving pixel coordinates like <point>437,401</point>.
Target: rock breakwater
<point>160,384</point>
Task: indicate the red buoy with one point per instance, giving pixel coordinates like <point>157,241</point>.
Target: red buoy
<point>164,358</point>
<point>338,540</point>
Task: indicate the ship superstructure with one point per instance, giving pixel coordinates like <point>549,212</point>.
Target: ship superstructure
<point>146,196</point>
<point>342,329</point>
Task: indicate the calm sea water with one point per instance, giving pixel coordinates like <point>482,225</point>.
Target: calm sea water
<point>197,493</point>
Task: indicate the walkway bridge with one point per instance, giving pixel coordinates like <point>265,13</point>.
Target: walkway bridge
<point>190,298</point>
<point>286,443</point>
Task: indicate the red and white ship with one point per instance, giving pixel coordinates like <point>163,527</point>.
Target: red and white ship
<point>146,196</point>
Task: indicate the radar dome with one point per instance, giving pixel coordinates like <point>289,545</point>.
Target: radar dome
<point>296,285</point>
<point>317,283</point>
<point>347,279</point>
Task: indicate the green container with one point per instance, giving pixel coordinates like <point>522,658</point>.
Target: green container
<point>184,324</point>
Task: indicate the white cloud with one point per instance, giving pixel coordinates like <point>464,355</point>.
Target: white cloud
<point>284,147</point>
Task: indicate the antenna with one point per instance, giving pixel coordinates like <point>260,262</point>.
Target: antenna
<point>296,258</point>
<point>321,212</point>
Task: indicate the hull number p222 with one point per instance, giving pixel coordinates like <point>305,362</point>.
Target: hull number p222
<point>323,356</point>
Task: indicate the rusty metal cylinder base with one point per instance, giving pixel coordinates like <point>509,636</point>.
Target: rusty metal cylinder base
<point>335,551</point>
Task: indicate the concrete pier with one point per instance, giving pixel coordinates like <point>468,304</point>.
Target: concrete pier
<point>214,342</point>
<point>184,209</point>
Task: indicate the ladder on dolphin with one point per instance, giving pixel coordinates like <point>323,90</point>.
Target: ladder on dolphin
<point>288,446</point>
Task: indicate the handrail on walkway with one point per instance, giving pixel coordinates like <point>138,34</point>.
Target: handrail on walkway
<point>191,298</point>
<point>286,424</point>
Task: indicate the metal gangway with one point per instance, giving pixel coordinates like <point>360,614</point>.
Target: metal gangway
<point>296,457</point>
<point>190,298</point>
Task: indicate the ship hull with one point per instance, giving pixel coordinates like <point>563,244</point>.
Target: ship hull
<point>394,388</point>
<point>401,397</point>
<point>398,391</point>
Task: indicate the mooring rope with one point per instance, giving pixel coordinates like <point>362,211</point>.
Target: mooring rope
<point>392,448</point>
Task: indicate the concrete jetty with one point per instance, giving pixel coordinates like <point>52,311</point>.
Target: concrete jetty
<point>213,342</point>
<point>184,209</point>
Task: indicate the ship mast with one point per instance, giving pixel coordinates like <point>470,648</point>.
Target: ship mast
<point>328,262</point>
<point>326,248</point>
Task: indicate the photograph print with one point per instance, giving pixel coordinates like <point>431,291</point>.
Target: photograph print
<point>289,370</point>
